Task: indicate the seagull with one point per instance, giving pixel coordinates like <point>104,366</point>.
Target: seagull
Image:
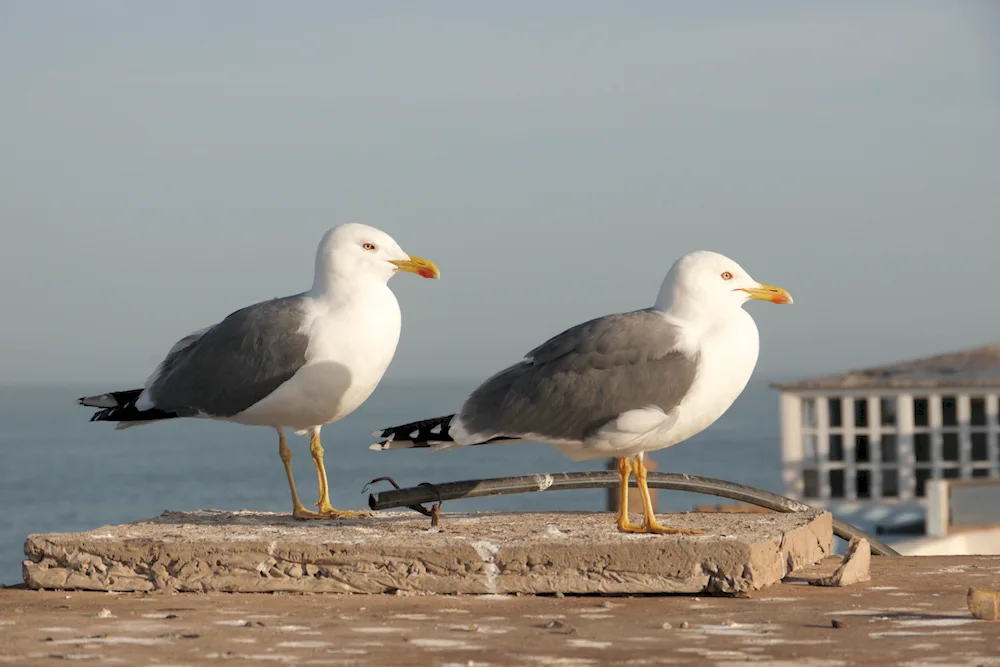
<point>296,362</point>
<point>620,385</point>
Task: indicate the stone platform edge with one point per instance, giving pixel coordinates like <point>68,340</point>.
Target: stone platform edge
<point>481,553</point>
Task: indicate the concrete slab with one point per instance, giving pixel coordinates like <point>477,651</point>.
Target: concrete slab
<point>485,553</point>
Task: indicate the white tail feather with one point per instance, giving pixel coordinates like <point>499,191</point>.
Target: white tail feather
<point>99,401</point>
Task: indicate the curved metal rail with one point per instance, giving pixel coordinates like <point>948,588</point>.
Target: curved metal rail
<point>498,486</point>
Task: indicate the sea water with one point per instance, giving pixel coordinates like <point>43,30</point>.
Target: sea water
<point>59,473</point>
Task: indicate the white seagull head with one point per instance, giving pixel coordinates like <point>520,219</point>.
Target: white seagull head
<point>709,284</point>
<point>354,251</point>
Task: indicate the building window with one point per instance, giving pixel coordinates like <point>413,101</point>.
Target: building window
<point>980,450</point>
<point>977,411</point>
<point>890,483</point>
<point>980,472</point>
<point>809,412</point>
<point>921,412</point>
<point>810,479</point>
<point>836,448</point>
<point>836,483</point>
<point>861,485</point>
<point>861,449</point>
<point>949,411</point>
<point>922,475</point>
<point>950,473</point>
<point>890,448</point>
<point>922,447</point>
<point>861,412</point>
<point>811,453</point>
<point>887,406</point>
<point>949,446</point>
<point>834,407</point>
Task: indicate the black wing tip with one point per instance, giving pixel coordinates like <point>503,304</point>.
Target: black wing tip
<point>107,414</point>
<point>130,414</point>
<point>124,408</point>
<point>111,399</point>
<point>415,434</point>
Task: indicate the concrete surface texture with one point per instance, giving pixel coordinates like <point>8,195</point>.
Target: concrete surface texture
<point>398,551</point>
<point>913,613</point>
<point>855,568</point>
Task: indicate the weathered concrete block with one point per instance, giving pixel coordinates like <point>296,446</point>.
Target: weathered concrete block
<point>854,569</point>
<point>485,553</point>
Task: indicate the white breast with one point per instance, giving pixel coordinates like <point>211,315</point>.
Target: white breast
<point>728,357</point>
<point>351,346</point>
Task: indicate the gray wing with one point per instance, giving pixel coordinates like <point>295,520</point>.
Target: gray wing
<point>228,367</point>
<point>574,384</point>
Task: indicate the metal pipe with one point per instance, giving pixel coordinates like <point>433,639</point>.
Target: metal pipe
<point>564,481</point>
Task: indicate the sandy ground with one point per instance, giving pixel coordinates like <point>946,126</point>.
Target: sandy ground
<point>913,612</point>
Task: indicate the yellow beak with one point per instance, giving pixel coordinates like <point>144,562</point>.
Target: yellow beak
<point>768,293</point>
<point>424,268</point>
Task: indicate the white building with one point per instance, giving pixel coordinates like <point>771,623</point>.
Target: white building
<point>866,442</point>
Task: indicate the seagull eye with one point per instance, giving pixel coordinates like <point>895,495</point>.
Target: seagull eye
<point>726,275</point>
<point>368,246</point>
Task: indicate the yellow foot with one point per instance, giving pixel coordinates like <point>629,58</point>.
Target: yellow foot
<point>626,526</point>
<point>330,512</point>
<point>303,514</point>
<point>654,528</point>
<point>658,529</point>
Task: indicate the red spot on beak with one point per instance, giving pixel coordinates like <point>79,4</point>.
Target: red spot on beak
<point>424,272</point>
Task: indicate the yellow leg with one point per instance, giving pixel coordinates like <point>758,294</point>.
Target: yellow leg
<point>624,470</point>
<point>316,450</point>
<point>298,511</point>
<point>325,508</point>
<point>650,525</point>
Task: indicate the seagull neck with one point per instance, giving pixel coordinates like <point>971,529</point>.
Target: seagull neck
<point>324,284</point>
<point>688,311</point>
<point>338,287</point>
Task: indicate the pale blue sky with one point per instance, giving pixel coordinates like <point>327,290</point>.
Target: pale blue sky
<point>162,164</point>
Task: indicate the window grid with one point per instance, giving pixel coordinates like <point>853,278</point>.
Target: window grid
<point>888,446</point>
